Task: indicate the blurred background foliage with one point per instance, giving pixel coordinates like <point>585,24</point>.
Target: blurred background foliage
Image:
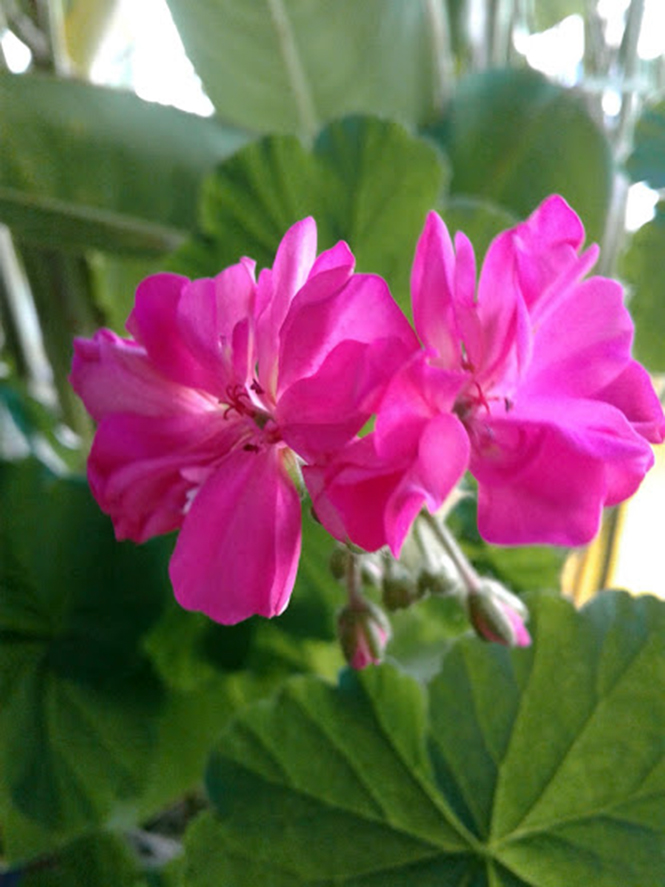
<point>450,765</point>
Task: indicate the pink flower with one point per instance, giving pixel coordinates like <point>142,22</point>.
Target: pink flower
<point>528,380</point>
<point>226,388</point>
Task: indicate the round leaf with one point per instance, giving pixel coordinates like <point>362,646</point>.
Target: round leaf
<point>519,769</point>
<point>513,137</point>
<point>366,181</point>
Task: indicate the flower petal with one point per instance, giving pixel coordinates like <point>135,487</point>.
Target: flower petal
<point>209,314</point>
<point>433,291</point>
<point>440,462</point>
<point>546,247</point>
<point>322,316</point>
<point>350,494</point>
<point>114,375</point>
<point>321,413</point>
<point>503,348</point>
<point>545,475</point>
<point>371,496</point>
<point>154,323</point>
<point>632,392</point>
<point>583,345</point>
<point>276,289</point>
<point>237,553</point>
<point>140,467</point>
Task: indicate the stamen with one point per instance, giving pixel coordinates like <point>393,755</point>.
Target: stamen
<point>238,400</point>
<point>467,365</point>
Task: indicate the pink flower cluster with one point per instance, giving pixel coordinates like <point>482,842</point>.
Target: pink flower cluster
<point>233,390</point>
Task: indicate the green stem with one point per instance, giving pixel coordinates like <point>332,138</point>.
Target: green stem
<point>356,599</point>
<point>449,544</point>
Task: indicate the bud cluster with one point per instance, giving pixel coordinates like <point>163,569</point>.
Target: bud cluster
<point>431,563</point>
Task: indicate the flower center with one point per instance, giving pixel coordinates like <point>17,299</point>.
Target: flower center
<point>261,429</point>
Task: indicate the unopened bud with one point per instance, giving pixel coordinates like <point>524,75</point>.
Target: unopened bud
<point>339,559</point>
<point>364,632</point>
<point>399,589</point>
<point>440,582</point>
<point>371,570</point>
<point>497,615</point>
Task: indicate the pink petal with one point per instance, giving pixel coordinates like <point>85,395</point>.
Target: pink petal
<point>338,258</point>
<point>505,343</point>
<point>433,291</point>
<point>322,317</point>
<point>582,346</point>
<point>371,498</point>
<point>545,475</point>
<point>276,289</point>
<point>319,414</point>
<point>114,375</point>
<point>632,392</point>
<point>138,467</point>
<point>440,462</point>
<point>350,494</point>
<point>546,246</point>
<point>237,553</point>
<point>154,323</point>
<point>210,314</point>
<point>416,393</point>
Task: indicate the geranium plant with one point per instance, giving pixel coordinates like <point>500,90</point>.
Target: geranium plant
<point>323,390</point>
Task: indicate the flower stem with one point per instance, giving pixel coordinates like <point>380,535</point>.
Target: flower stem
<point>449,544</point>
<point>356,599</point>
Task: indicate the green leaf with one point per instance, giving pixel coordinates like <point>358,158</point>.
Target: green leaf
<point>643,270</point>
<point>366,181</point>
<point>516,768</point>
<point>214,670</point>
<point>83,167</point>
<point>646,163</point>
<point>189,724</point>
<point>422,634</point>
<point>78,699</point>
<point>96,860</point>
<point>286,66</point>
<point>513,138</point>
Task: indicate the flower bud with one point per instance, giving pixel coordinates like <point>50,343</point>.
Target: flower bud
<point>497,615</point>
<point>399,589</point>
<point>364,632</point>
<point>442,582</point>
<point>338,562</point>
